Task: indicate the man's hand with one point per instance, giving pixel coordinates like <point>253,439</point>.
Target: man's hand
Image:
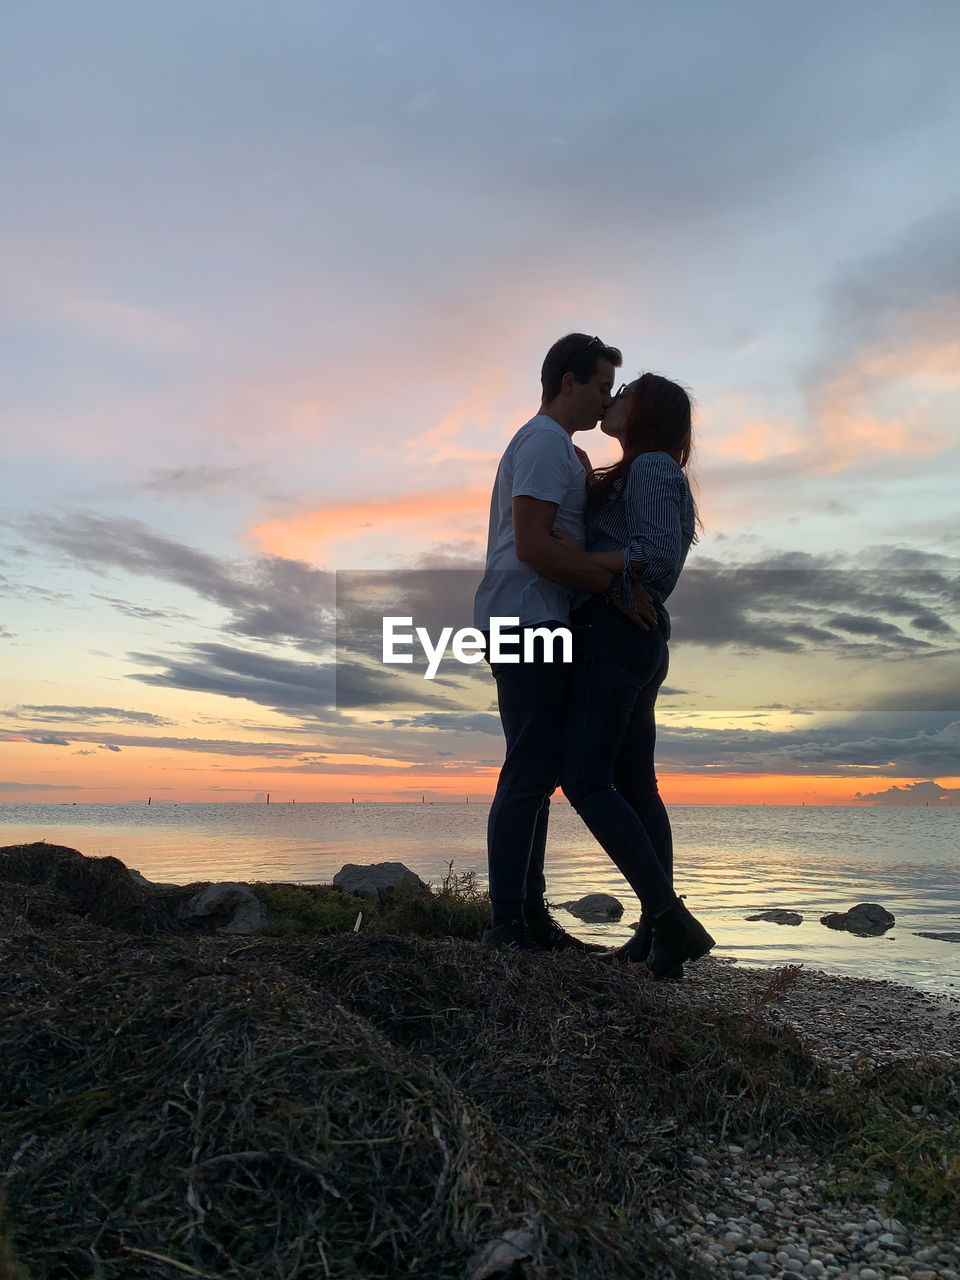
<point>566,540</point>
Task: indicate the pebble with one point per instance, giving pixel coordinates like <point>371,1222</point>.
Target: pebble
<point>764,1214</point>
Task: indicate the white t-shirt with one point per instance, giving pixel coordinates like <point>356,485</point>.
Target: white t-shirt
<point>539,462</point>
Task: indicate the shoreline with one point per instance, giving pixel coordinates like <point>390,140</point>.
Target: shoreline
<point>910,953</point>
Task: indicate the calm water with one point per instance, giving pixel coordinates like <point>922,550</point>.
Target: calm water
<point>732,861</point>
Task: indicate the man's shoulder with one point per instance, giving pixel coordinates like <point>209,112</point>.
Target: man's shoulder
<point>542,433</point>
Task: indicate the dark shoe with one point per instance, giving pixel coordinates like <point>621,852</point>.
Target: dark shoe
<point>677,936</point>
<point>512,936</point>
<point>552,936</point>
<point>638,948</point>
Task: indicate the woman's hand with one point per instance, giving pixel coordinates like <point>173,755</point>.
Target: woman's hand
<point>567,540</point>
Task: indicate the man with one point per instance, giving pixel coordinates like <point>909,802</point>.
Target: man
<point>540,485</point>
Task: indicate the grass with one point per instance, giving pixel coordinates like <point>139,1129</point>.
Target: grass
<point>324,1103</point>
<point>882,1139</point>
<point>10,1267</point>
<point>457,908</point>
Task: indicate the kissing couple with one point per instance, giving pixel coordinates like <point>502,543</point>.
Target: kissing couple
<point>597,552</point>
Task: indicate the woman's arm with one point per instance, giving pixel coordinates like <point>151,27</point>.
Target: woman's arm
<point>609,560</point>
<point>653,501</point>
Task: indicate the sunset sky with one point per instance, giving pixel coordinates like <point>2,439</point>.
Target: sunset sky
<point>275,286</point>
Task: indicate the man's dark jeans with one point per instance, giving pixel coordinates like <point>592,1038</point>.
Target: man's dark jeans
<point>608,772</point>
<point>532,697</point>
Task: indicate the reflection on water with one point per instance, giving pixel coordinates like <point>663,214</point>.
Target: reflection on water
<point>732,862</point>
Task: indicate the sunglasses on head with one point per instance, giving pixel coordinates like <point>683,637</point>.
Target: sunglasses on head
<point>593,342</point>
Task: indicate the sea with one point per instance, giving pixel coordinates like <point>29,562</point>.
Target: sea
<point>732,862</point>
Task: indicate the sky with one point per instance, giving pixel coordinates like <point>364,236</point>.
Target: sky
<point>276,282</point>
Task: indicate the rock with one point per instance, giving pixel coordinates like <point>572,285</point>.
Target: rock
<point>139,879</point>
<point>377,880</point>
<point>940,937</point>
<point>865,919</point>
<point>777,916</point>
<point>595,907</point>
<point>505,1258</point>
<point>230,907</point>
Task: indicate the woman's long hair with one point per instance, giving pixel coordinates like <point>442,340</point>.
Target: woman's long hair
<point>660,420</point>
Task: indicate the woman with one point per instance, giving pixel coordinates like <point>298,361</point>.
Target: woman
<point>643,506</point>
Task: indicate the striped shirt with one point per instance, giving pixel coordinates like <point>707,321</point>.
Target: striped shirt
<point>651,518</point>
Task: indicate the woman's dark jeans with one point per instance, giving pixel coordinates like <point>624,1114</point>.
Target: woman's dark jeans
<point>608,768</point>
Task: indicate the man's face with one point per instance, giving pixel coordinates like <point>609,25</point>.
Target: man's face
<point>594,398</point>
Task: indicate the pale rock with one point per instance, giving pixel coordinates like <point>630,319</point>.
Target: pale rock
<point>595,907</point>
<point>230,907</point>
<point>378,879</point>
<point>506,1255</point>
<point>139,879</point>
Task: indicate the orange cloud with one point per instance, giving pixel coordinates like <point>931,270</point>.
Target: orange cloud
<point>757,439</point>
<point>301,536</point>
<point>439,443</point>
<point>880,401</point>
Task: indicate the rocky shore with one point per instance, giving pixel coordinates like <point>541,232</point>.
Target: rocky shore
<point>317,1102</point>
<point>765,1213</point>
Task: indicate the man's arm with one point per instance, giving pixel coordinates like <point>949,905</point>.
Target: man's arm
<point>536,547</point>
<point>612,560</point>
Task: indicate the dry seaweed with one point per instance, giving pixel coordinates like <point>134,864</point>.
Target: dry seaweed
<point>361,1105</point>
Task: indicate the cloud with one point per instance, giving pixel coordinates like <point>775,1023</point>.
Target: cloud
<point>203,746</point>
<point>121,325</point>
<point>283,685</point>
<point>461,723</point>
<point>361,685</point>
<point>48,739</point>
<point>306,532</point>
<point>267,597</point>
<point>792,604</point>
<point>39,786</point>
<point>143,612</point>
<point>200,478</point>
<point>894,318</point>
<point>6,634</point>
<point>927,792</point>
<point>827,749</point>
<point>82,715</point>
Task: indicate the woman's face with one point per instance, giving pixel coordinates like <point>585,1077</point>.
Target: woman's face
<point>614,421</point>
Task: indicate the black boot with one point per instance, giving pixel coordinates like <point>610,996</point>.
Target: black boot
<point>677,936</point>
<point>637,949</point>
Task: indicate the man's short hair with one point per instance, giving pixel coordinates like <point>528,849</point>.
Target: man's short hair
<point>578,354</point>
